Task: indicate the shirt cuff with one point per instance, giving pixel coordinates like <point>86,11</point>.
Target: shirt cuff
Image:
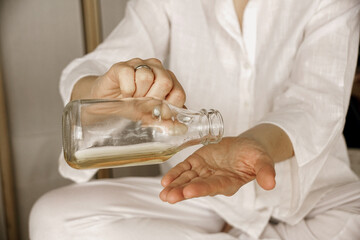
<point>74,72</point>
<point>76,175</point>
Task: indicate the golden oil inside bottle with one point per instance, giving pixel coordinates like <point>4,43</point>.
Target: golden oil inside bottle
<point>121,156</point>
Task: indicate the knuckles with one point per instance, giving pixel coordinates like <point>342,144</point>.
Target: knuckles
<point>146,77</point>
<point>154,61</point>
<point>166,84</point>
<point>165,81</point>
<point>125,70</point>
<point>178,97</point>
<point>119,69</point>
<point>135,61</point>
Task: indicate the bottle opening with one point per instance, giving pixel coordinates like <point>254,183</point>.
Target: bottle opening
<point>215,130</point>
<point>216,126</point>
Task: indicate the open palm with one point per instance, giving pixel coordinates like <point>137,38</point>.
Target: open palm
<point>219,169</point>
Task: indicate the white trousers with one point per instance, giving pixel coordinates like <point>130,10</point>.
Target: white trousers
<point>129,208</point>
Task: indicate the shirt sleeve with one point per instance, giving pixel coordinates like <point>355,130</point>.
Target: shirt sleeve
<point>143,33</point>
<point>313,107</point>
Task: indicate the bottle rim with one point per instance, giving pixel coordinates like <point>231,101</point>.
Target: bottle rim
<point>215,130</point>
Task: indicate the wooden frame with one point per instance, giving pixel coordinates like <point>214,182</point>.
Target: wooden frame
<point>7,177</point>
<point>92,38</point>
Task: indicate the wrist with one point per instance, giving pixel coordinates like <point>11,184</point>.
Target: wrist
<point>272,139</point>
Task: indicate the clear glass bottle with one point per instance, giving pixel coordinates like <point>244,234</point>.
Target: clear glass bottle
<point>134,131</point>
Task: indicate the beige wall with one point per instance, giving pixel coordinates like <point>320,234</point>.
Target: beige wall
<point>112,11</point>
<point>38,39</point>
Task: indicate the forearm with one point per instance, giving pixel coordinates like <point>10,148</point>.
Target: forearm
<point>83,88</point>
<point>275,141</point>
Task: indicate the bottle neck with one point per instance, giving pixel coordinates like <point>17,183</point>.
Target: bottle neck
<point>213,126</point>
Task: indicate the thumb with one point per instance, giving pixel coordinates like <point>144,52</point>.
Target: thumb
<point>265,176</point>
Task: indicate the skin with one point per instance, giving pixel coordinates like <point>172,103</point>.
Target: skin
<point>240,6</point>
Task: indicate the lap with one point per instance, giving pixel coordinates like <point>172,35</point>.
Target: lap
<point>102,203</point>
<point>131,207</point>
<point>336,216</point>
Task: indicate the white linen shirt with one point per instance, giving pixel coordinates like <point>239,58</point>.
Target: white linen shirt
<point>292,65</point>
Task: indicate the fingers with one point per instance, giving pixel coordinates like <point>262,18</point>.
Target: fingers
<point>177,95</point>
<point>173,177</point>
<point>144,79</point>
<point>124,74</point>
<point>174,191</point>
<point>265,176</point>
<point>174,173</point>
<point>163,83</point>
<point>190,185</point>
<point>155,82</point>
<point>123,81</point>
<point>117,82</point>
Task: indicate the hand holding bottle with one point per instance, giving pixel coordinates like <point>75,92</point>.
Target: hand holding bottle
<point>225,167</point>
<point>133,78</point>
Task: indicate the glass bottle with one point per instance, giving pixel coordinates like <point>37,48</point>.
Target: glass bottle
<point>134,131</point>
